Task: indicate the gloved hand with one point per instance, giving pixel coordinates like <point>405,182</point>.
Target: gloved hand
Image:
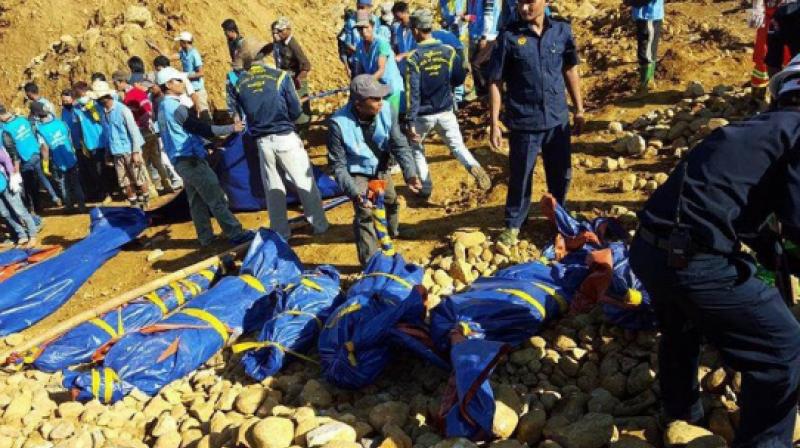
<point>15,183</point>
<point>46,167</point>
<point>755,17</point>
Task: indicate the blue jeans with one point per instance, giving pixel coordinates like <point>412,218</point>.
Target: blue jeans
<point>14,212</point>
<point>718,298</point>
<point>33,178</point>
<point>69,185</point>
<point>554,144</point>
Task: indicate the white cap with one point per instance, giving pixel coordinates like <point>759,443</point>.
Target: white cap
<point>778,84</point>
<point>100,89</point>
<point>185,36</point>
<point>167,74</point>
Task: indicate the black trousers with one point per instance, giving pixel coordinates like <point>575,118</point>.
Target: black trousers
<point>648,33</point>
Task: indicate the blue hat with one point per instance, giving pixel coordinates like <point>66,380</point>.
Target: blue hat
<point>364,2</point>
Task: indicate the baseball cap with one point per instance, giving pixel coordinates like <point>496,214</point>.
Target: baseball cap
<point>364,3</point>
<point>363,19</point>
<point>779,84</point>
<point>185,36</point>
<point>281,24</point>
<point>422,19</point>
<point>140,78</point>
<point>167,74</point>
<point>120,75</point>
<point>366,86</point>
<point>37,109</point>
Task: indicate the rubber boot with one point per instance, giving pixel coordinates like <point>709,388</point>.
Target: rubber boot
<point>646,74</point>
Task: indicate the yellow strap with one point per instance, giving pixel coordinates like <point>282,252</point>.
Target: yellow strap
<point>379,213</point>
<point>103,325</point>
<point>153,297</point>
<point>193,287</point>
<point>526,297</point>
<point>391,276</point>
<point>303,313</point>
<point>253,283</point>
<point>311,284</point>
<point>451,61</point>
<point>176,288</point>
<point>96,383</point>
<point>562,303</point>
<point>351,353</point>
<point>245,346</point>
<point>32,355</point>
<point>207,274</point>
<point>634,297</point>
<point>344,312</point>
<point>208,318</point>
<point>110,378</point>
<point>465,329</point>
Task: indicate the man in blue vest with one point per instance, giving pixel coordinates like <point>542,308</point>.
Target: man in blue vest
<point>402,37</point>
<point>98,173</point>
<point>380,29</point>
<point>182,134</point>
<point>32,96</point>
<point>54,136</point>
<point>361,137</point>
<point>433,70</point>
<point>484,16</point>
<point>269,100</point>
<point>376,58</point>
<point>192,64</point>
<point>125,143</point>
<point>346,40</point>
<point>534,63</point>
<point>20,141</point>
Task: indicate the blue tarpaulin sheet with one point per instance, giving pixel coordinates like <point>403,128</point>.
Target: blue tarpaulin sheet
<point>41,289</point>
<point>354,345</point>
<point>81,344</point>
<point>172,348</point>
<point>298,316</point>
<point>12,256</point>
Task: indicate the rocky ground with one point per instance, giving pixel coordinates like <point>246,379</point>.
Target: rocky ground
<point>579,384</point>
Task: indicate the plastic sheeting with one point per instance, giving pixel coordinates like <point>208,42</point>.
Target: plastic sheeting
<point>593,259</point>
<point>15,260</point>
<point>172,348</point>
<point>89,340</point>
<point>41,289</point>
<point>296,321</point>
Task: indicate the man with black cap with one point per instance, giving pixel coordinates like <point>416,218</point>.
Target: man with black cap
<point>434,69</point>
<point>232,36</point>
<point>688,254</point>
<point>58,154</point>
<point>361,137</point>
<point>290,57</point>
<point>271,106</point>
<point>20,141</point>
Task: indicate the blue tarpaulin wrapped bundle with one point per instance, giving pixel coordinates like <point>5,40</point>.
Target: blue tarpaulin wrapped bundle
<point>481,324</point>
<point>354,345</point>
<point>593,259</point>
<point>15,260</point>
<point>296,321</point>
<point>41,289</point>
<point>89,340</point>
<point>172,348</point>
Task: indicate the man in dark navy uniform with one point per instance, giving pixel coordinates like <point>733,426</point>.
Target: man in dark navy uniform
<point>687,252</point>
<point>534,62</point>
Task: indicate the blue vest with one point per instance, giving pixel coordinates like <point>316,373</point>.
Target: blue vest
<point>70,117</point>
<point>177,142</point>
<point>360,158</point>
<point>403,38</point>
<point>56,134</point>
<point>369,62</point>
<point>94,135</point>
<point>21,132</point>
<point>475,8</point>
<point>119,140</point>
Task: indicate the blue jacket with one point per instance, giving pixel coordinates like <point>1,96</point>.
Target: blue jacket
<point>19,129</point>
<point>434,69</point>
<point>121,130</point>
<point>360,157</point>
<point>56,135</point>
<point>651,11</point>
<point>69,115</point>
<point>177,141</point>
<point>269,101</point>
<point>368,60</point>
<point>486,21</point>
<point>532,68</point>
<point>402,39</point>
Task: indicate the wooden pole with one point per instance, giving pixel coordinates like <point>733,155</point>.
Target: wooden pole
<point>110,305</point>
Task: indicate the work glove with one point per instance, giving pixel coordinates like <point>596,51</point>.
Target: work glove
<point>755,17</point>
<point>15,183</point>
<point>46,167</point>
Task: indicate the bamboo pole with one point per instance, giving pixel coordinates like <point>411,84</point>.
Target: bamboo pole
<point>110,305</point>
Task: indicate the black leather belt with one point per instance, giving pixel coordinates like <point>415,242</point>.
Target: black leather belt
<point>663,243</point>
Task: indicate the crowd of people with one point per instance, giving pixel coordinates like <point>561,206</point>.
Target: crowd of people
<point>146,133</point>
